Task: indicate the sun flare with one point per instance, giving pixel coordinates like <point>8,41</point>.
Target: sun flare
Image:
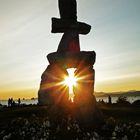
<point>70,81</point>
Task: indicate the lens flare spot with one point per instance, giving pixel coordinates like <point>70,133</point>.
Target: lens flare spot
<point>70,81</point>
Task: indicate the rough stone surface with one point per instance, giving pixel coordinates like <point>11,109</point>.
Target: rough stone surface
<point>55,94</point>
<point>69,42</point>
<point>64,25</point>
<point>51,90</point>
<point>69,60</point>
<point>68,9</point>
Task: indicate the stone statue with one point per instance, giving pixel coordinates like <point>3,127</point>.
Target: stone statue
<point>68,55</point>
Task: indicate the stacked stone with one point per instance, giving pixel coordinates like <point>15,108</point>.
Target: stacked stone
<point>68,55</point>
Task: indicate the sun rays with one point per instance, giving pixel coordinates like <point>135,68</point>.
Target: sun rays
<point>68,81</point>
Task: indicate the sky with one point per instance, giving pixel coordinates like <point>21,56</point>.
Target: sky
<point>26,39</point>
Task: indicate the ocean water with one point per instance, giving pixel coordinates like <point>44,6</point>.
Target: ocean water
<point>25,101</point>
<point>131,99</point>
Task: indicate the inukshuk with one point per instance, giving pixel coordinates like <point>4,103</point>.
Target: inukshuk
<point>68,55</point>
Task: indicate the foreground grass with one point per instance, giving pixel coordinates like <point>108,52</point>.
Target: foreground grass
<point>119,113</point>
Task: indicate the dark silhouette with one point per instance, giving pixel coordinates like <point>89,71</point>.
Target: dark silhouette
<point>68,9</point>
<point>102,101</point>
<point>68,20</point>
<point>19,101</point>
<point>122,100</point>
<point>136,103</point>
<point>68,55</point>
<point>13,103</point>
<point>68,129</point>
<point>109,99</point>
<point>10,102</point>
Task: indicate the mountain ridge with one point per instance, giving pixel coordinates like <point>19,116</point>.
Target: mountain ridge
<point>120,93</point>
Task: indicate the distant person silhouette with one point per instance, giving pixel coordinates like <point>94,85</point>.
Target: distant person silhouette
<point>9,102</point>
<point>19,101</point>
<point>102,101</point>
<point>109,99</point>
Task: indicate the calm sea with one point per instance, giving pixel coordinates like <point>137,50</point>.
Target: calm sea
<point>35,101</point>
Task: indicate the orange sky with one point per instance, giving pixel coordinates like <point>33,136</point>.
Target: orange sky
<point>26,39</point>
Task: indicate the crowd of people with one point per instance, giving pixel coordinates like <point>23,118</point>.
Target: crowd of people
<point>37,128</point>
<point>12,103</point>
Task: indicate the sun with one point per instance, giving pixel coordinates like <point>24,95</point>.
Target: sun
<point>70,81</point>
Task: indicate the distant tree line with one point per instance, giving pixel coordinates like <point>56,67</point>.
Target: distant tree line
<point>122,100</point>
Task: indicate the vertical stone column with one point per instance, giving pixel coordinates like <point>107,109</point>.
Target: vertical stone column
<point>51,91</point>
<point>87,112</point>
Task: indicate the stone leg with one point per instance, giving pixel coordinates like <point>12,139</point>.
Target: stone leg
<point>85,102</point>
<point>52,91</point>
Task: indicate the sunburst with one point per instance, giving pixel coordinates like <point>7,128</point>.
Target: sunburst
<point>70,81</point>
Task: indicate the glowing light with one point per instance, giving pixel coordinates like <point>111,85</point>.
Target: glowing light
<point>70,81</point>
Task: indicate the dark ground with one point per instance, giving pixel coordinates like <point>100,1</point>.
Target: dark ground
<point>121,122</point>
<point>119,113</point>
